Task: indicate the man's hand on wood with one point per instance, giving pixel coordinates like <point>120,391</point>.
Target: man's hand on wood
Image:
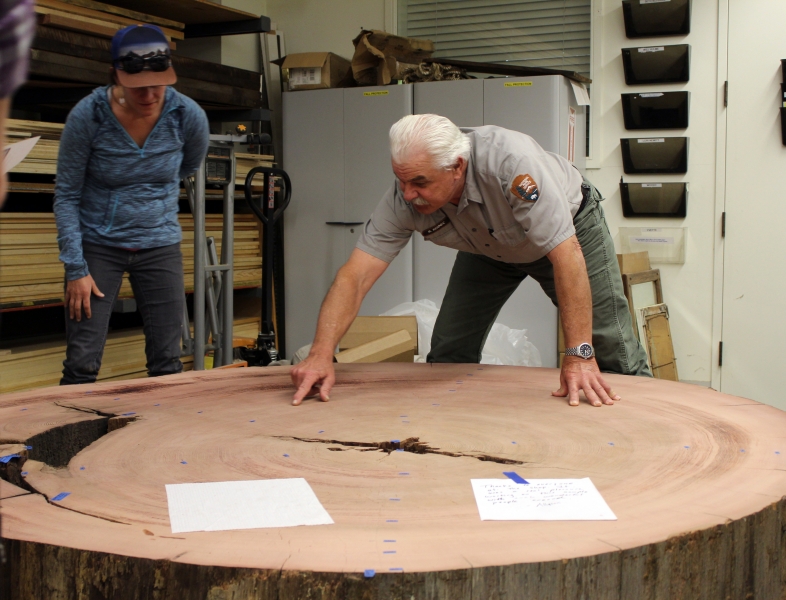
<point>578,374</point>
<point>314,376</point>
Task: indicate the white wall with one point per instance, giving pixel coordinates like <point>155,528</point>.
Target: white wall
<point>319,26</point>
<point>687,288</point>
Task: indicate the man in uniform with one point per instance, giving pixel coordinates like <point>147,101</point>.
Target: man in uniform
<point>512,210</point>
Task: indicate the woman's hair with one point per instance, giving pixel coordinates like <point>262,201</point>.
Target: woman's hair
<point>436,136</point>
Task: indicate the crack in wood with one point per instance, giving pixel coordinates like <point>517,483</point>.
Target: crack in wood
<point>413,445</point>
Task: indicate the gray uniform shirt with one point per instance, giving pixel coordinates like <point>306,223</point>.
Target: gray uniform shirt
<point>518,204</point>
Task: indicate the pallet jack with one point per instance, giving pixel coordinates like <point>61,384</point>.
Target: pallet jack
<point>266,350</point>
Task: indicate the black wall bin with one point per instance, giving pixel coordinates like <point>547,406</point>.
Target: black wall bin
<point>656,110</point>
<point>654,199</point>
<point>654,155</point>
<point>656,64</point>
<point>783,125</point>
<point>647,19</point>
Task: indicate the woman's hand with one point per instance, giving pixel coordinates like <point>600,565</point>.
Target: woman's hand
<point>77,296</point>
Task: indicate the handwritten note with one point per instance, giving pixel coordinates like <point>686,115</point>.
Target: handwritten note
<point>227,505</point>
<point>540,500</point>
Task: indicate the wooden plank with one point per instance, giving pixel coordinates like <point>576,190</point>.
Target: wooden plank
<point>190,12</point>
<point>75,25</point>
<point>395,347</point>
<point>131,14</point>
<point>634,262</point>
<point>659,343</point>
<point>63,8</point>
<point>367,329</point>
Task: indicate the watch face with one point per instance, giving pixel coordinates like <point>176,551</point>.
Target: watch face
<point>585,351</point>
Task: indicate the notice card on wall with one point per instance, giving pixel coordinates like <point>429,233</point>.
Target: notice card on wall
<point>226,505</point>
<point>540,500</point>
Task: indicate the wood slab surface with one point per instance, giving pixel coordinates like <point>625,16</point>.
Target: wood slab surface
<point>678,465</point>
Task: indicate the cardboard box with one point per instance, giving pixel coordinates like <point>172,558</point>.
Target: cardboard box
<point>380,56</point>
<point>315,70</point>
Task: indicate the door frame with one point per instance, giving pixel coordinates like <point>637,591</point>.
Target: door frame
<point>721,127</point>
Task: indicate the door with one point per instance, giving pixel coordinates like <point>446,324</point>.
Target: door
<point>314,156</point>
<point>754,327</point>
<point>369,112</point>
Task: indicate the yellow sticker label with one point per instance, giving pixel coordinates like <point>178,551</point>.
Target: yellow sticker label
<point>385,93</point>
<point>519,84</point>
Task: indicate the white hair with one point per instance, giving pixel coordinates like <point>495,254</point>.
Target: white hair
<point>436,136</point>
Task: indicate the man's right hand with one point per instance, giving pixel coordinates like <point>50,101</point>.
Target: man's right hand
<point>313,376</point>
<point>77,296</point>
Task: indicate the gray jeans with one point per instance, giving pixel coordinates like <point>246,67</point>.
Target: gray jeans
<point>157,280</point>
<point>479,287</point>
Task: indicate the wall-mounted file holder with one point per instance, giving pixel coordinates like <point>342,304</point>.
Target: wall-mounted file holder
<point>783,104</point>
<point>656,64</point>
<point>654,155</point>
<point>654,199</point>
<point>656,110</point>
<point>664,244</point>
<point>645,18</point>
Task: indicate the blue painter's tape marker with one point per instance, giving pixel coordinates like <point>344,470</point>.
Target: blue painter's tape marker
<point>388,552</point>
<point>369,573</point>
<point>686,446</point>
<point>81,468</point>
<point>515,477</point>
<point>436,404</point>
<point>7,459</point>
<point>22,409</point>
<point>156,405</point>
<point>391,520</point>
<point>389,541</point>
<point>128,414</point>
<point>403,473</point>
<point>611,443</point>
<point>28,447</point>
<point>199,412</point>
<point>394,441</point>
<point>24,473</point>
<point>321,431</point>
<point>287,455</point>
<point>61,496</point>
<point>742,449</point>
<point>399,450</point>
<point>396,569</point>
<point>395,499</point>
<point>776,452</point>
<point>252,421</point>
<point>513,442</point>
<point>116,398</point>
<point>182,462</point>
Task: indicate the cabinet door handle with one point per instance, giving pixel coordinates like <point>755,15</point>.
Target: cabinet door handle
<point>344,223</point>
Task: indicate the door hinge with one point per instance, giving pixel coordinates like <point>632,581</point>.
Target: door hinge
<point>725,93</point>
<point>723,224</point>
<point>720,354</point>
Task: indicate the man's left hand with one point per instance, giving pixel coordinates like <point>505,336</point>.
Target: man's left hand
<point>579,374</point>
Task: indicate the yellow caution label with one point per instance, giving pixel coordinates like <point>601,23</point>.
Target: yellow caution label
<point>385,93</point>
<point>519,84</point>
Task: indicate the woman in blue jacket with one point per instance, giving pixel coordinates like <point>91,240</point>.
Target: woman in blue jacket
<point>123,152</point>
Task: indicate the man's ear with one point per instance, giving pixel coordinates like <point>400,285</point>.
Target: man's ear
<point>459,167</point>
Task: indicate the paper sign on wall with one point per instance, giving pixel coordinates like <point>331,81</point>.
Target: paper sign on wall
<point>581,93</point>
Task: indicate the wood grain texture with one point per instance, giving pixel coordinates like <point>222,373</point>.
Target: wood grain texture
<point>695,477</point>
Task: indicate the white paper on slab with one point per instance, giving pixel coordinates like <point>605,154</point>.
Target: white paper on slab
<point>227,505</point>
<point>581,93</point>
<point>16,153</point>
<point>540,500</point>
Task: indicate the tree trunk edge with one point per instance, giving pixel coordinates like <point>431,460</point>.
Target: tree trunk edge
<point>743,559</point>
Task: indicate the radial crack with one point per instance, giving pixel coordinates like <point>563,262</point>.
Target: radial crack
<point>413,445</point>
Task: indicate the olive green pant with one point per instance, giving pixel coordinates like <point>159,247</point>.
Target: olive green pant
<point>479,286</point>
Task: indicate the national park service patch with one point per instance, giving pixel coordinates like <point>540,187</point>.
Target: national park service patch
<point>525,188</point>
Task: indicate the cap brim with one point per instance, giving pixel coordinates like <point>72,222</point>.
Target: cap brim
<point>146,78</point>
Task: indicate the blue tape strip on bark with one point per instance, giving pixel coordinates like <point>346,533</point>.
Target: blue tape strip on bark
<point>61,496</point>
<point>515,477</point>
<point>7,459</point>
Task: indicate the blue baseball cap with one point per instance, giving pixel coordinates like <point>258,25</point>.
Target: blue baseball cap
<point>141,42</point>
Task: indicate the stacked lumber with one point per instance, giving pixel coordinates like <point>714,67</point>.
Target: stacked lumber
<point>99,19</point>
<point>81,61</point>
<point>41,365</point>
<point>30,271</point>
<point>245,162</point>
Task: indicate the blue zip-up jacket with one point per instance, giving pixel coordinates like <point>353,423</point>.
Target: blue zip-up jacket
<point>111,192</point>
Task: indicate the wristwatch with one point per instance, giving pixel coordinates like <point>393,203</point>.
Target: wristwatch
<point>585,351</point>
